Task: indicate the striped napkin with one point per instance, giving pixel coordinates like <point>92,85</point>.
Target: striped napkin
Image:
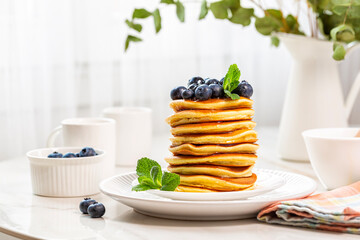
<point>337,210</point>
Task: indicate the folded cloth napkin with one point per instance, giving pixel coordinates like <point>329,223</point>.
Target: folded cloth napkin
<point>336,210</point>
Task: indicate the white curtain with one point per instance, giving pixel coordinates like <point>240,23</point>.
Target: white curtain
<point>65,58</point>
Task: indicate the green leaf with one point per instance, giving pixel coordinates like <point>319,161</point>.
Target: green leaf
<point>242,16</point>
<point>170,181</point>
<point>157,20</point>
<point>140,187</point>
<point>204,10</point>
<point>277,14</point>
<point>275,41</point>
<point>266,25</point>
<point>156,175</point>
<point>233,96</point>
<point>219,9</point>
<point>134,26</point>
<point>144,166</point>
<point>339,52</point>
<point>180,11</point>
<point>291,21</point>
<point>167,1</point>
<point>131,38</point>
<point>343,32</point>
<point>141,13</point>
<point>231,80</point>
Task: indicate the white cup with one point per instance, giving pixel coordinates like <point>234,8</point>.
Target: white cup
<point>133,133</point>
<point>334,155</point>
<point>89,132</point>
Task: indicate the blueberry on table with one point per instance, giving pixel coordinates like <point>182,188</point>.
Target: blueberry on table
<point>197,80</point>
<point>84,204</point>
<point>244,89</point>
<point>187,94</point>
<point>217,90</point>
<point>193,86</point>
<point>69,155</point>
<point>176,93</point>
<point>203,92</point>
<point>78,154</point>
<point>211,81</point>
<point>55,155</point>
<point>96,210</point>
<point>87,152</point>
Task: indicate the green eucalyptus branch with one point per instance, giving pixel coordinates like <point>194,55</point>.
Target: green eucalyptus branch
<point>336,20</point>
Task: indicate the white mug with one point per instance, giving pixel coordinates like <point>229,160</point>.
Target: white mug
<point>133,133</point>
<point>89,132</point>
<point>334,155</point>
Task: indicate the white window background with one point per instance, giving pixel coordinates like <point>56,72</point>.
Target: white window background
<point>65,58</point>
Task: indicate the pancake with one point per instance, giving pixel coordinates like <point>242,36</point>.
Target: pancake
<point>213,170</point>
<point>203,150</point>
<point>182,188</point>
<point>235,160</point>
<point>217,104</point>
<point>212,127</point>
<point>238,136</point>
<point>218,183</point>
<point>200,116</point>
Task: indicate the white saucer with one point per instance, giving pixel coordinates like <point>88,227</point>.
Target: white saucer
<point>119,188</point>
<point>266,182</point>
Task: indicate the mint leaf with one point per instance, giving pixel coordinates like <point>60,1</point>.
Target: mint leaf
<point>157,20</point>
<point>144,166</point>
<point>204,10</point>
<point>170,181</point>
<point>233,96</point>
<point>156,175</point>
<point>134,26</point>
<point>231,80</point>
<point>141,13</point>
<point>180,11</point>
<point>140,187</point>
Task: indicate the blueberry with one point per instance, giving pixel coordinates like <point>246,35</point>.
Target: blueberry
<point>96,210</point>
<point>197,80</point>
<point>87,152</point>
<point>187,94</point>
<point>203,92</point>
<point>244,89</point>
<point>222,81</point>
<point>193,86</point>
<point>69,155</point>
<point>78,154</point>
<point>84,204</point>
<point>217,90</point>
<point>55,155</point>
<point>176,92</point>
<point>211,81</point>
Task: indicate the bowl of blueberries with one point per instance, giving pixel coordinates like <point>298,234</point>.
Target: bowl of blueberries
<point>66,171</point>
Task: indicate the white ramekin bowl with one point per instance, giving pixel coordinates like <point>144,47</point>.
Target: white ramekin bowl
<point>334,155</point>
<point>65,177</point>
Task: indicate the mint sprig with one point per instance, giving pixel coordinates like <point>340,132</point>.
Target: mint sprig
<point>152,177</point>
<point>231,81</point>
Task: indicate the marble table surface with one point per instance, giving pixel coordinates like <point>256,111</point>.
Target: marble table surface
<point>26,216</point>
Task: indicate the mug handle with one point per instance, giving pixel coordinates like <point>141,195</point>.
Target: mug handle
<point>53,135</point>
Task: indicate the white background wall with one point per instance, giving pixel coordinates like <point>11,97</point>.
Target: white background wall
<point>65,58</point>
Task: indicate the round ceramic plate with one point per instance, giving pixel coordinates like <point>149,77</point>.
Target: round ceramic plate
<point>266,182</point>
<point>119,188</point>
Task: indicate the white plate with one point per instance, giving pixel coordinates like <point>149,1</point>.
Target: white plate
<point>266,182</point>
<point>119,188</point>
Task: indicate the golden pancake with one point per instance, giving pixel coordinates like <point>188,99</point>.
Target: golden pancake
<point>203,150</point>
<point>235,160</point>
<point>218,183</point>
<point>215,104</point>
<point>238,136</point>
<point>213,170</point>
<point>198,116</point>
<point>212,127</point>
<point>182,188</point>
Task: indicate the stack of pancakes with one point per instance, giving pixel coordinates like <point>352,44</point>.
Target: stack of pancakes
<point>213,144</point>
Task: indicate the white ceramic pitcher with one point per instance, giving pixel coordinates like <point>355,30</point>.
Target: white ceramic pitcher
<point>314,96</point>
